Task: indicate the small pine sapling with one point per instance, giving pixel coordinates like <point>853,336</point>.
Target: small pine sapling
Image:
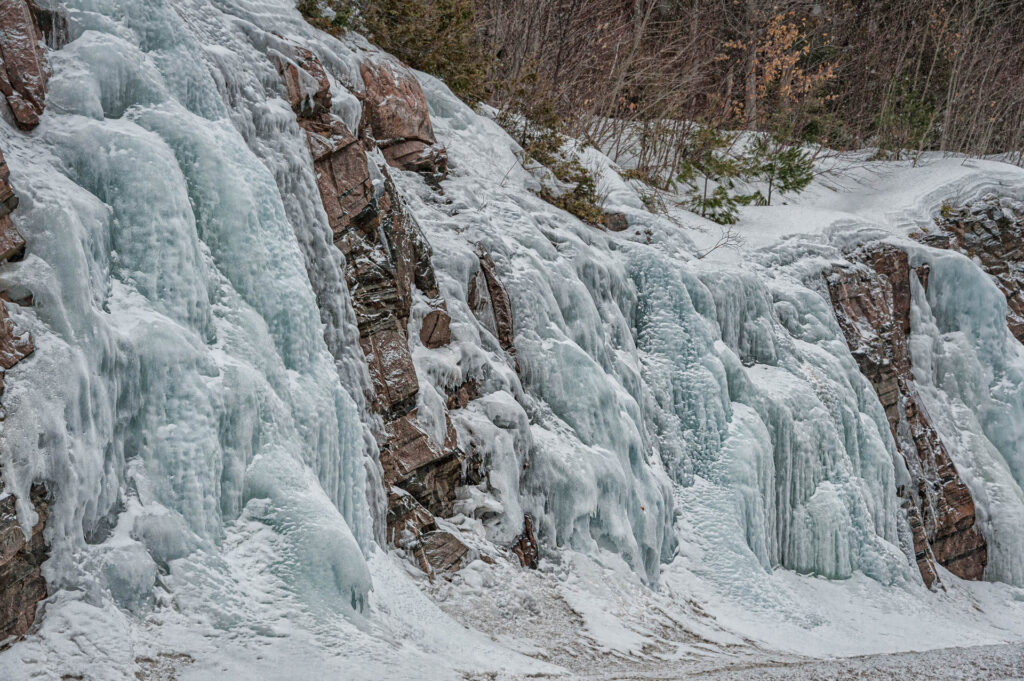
<point>711,171</point>
<point>783,167</point>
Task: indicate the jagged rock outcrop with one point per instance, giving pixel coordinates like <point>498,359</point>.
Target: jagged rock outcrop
<point>23,67</point>
<point>21,583</point>
<point>872,301</point>
<point>12,245</point>
<point>386,259</point>
<point>525,547</point>
<point>14,347</point>
<point>990,231</point>
<point>491,305</point>
<point>52,21</point>
<point>395,111</point>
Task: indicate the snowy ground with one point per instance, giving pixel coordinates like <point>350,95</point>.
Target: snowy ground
<point>987,663</point>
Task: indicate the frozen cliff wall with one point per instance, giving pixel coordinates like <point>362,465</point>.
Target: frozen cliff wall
<point>642,368</point>
<point>873,305</point>
<point>22,584</point>
<point>182,384</point>
<point>294,303</point>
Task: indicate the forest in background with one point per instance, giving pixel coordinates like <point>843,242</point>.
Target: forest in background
<point>665,84</point>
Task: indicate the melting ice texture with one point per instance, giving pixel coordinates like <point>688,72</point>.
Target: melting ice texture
<point>183,384</point>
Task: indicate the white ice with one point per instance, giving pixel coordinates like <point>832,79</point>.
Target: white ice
<point>692,437</point>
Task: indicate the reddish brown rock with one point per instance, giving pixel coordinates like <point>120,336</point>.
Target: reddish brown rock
<point>460,396</point>
<point>407,450</point>
<point>23,67</point>
<point>14,347</point>
<point>309,89</point>
<point>8,199</point>
<point>386,258</point>
<point>872,302</point>
<point>993,235</point>
<point>436,329</point>
<point>441,551</point>
<point>412,527</point>
<point>525,547</point>
<point>12,245</point>
<point>52,24</point>
<point>395,110</point>
<point>491,305</point>
<point>616,222</point>
<point>391,371</point>
<point>407,519</point>
<point>342,175</point>
<point>21,581</point>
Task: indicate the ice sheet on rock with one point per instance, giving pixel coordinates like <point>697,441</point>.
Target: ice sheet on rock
<point>201,417</point>
<point>635,359</point>
<point>970,370</point>
<point>183,380</point>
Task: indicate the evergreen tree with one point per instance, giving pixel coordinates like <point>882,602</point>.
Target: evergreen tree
<point>711,170</point>
<point>784,167</point>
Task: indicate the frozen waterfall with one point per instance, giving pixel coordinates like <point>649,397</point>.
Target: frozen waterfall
<point>183,384</point>
<point>197,400</point>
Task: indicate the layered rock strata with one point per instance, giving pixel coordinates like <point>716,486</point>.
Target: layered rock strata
<point>491,305</point>
<point>395,113</point>
<point>387,259</point>
<point>23,67</point>
<point>22,585</point>
<point>872,301</point>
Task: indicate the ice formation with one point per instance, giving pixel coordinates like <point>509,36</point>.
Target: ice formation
<point>184,382</point>
<point>643,355</point>
<point>972,371</point>
<point>201,418</point>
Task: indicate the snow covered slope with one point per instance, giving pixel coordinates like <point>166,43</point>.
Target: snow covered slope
<point>709,473</point>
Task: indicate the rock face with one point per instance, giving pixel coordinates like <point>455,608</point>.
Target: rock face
<point>490,303</point>
<point>990,231</point>
<point>616,222</point>
<point>387,258</point>
<point>525,546</point>
<point>395,112</point>
<point>11,243</point>
<point>872,302</point>
<point>13,346</point>
<point>21,583</point>
<point>23,67</point>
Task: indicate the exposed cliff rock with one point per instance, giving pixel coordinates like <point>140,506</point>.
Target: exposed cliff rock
<point>12,245</point>
<point>395,110</point>
<point>309,88</point>
<point>872,302</point>
<point>23,67</point>
<point>21,583</point>
<point>525,547</point>
<point>13,346</point>
<point>489,301</point>
<point>386,259</point>
<point>991,231</point>
<point>52,21</point>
